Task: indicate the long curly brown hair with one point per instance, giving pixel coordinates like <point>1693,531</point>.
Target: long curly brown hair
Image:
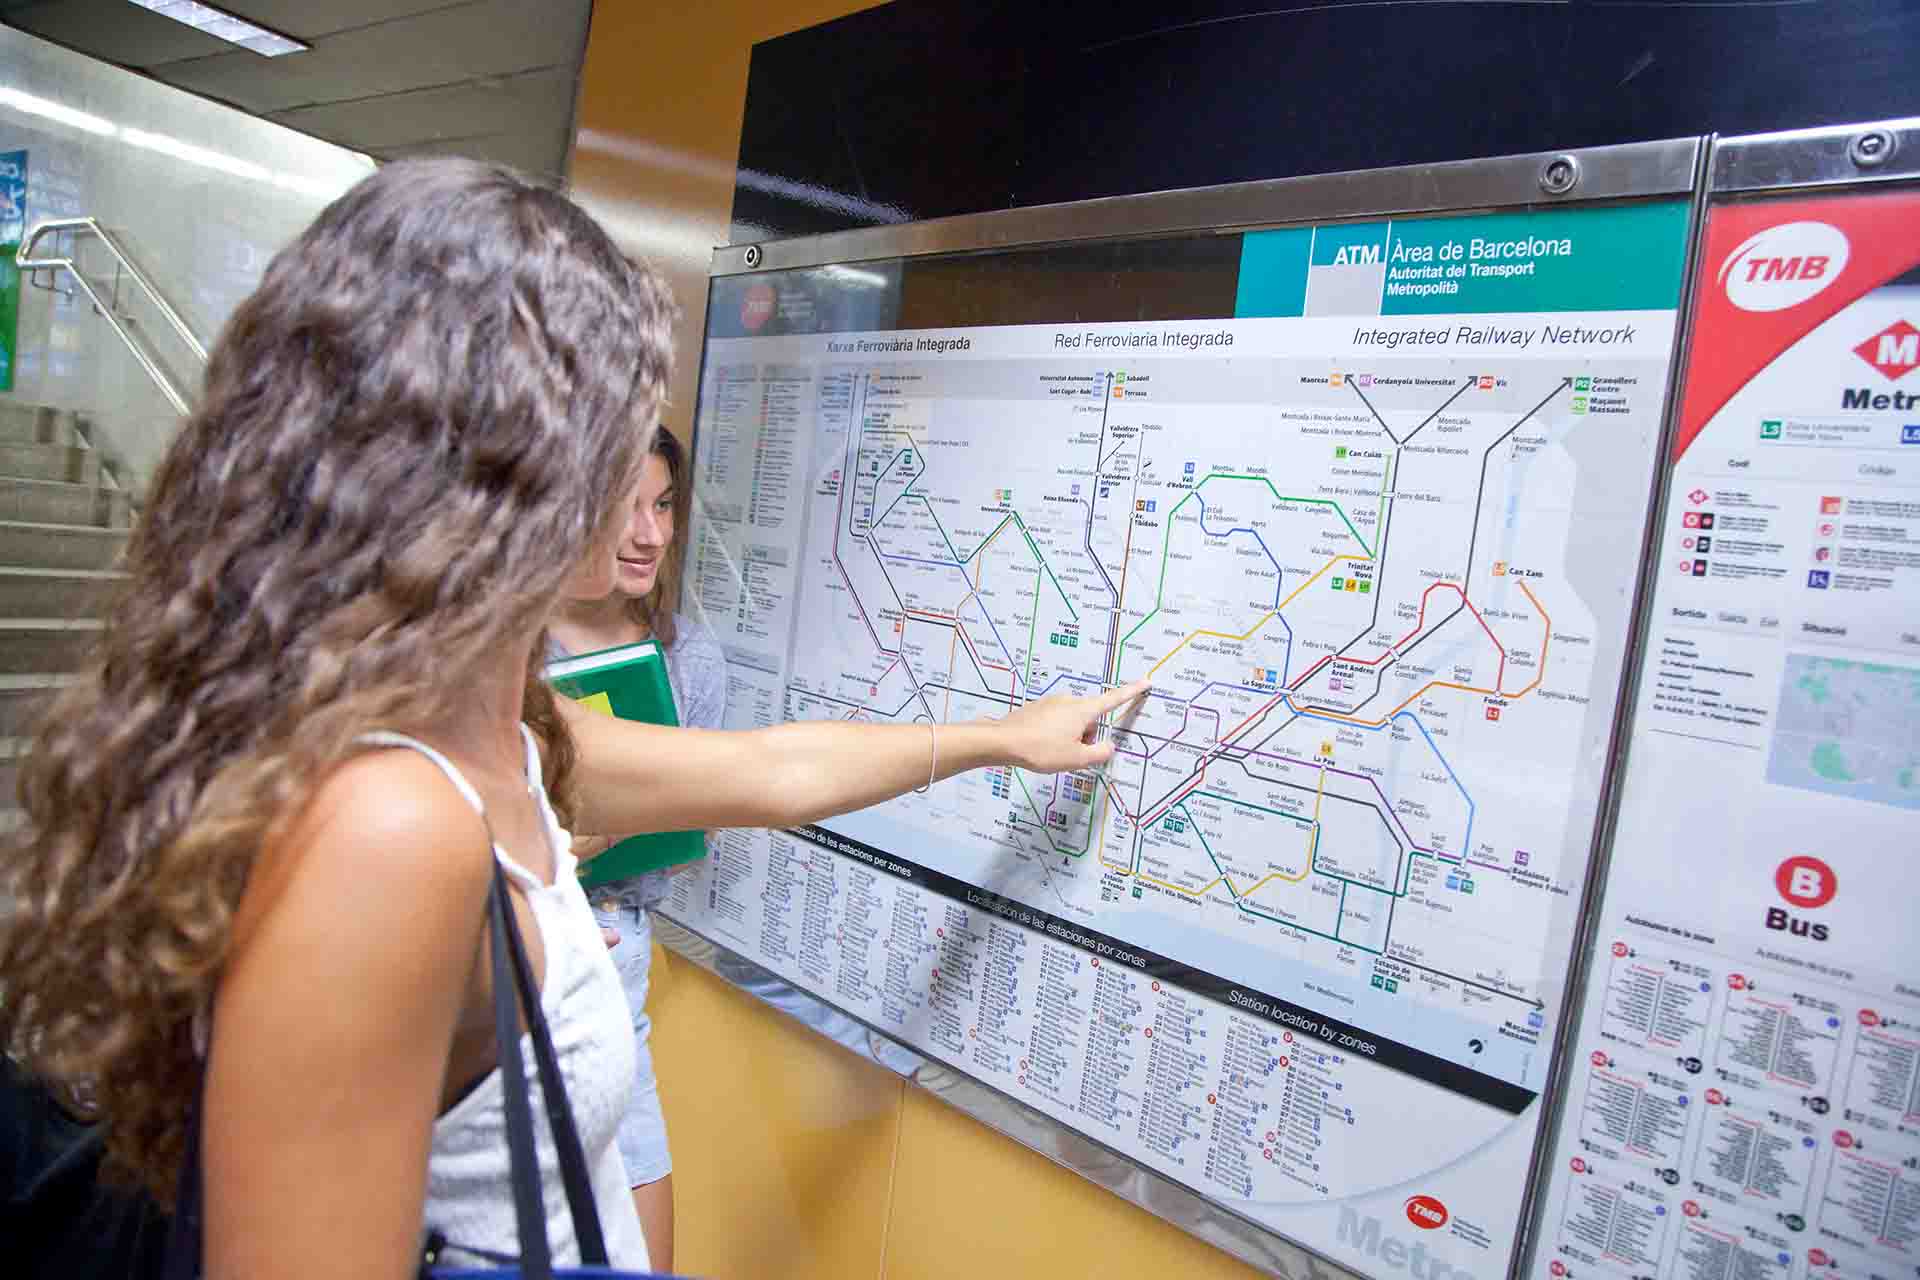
<point>412,433</point>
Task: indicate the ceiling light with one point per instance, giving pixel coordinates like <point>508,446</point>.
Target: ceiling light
<point>223,25</point>
<point>186,151</point>
<point>321,188</point>
<point>30,105</point>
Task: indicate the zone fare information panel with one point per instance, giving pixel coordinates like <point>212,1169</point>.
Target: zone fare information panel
<point>1366,502</point>
<point>1744,1097</point>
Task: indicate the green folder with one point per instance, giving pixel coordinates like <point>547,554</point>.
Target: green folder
<point>628,681</point>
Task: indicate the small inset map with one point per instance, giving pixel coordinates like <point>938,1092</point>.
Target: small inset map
<point>1849,729</point>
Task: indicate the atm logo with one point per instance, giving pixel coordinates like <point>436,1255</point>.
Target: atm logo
<point>1894,351</point>
<point>1784,266</point>
<point>1426,1213</point>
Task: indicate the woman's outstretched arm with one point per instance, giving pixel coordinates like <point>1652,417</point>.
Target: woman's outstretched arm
<point>637,777</point>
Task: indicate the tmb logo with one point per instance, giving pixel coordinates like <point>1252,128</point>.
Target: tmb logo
<point>1894,351</point>
<point>1805,882</point>
<point>1426,1213</point>
<point>1783,266</point>
<point>757,307</point>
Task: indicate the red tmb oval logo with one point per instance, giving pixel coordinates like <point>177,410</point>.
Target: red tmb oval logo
<point>757,307</point>
<point>1784,265</point>
<point>1426,1213</point>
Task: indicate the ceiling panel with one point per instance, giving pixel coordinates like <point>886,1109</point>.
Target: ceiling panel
<point>483,38</point>
<point>523,151</point>
<point>466,110</point>
<point>490,78</point>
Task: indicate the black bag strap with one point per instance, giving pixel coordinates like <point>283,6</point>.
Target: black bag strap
<point>181,1260</point>
<point>571,1156</point>
<point>529,1207</point>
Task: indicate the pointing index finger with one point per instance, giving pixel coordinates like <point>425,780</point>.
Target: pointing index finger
<point>1116,698</point>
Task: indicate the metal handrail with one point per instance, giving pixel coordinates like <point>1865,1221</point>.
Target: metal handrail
<point>55,226</point>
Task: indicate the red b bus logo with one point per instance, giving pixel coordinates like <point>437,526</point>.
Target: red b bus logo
<point>1806,881</point>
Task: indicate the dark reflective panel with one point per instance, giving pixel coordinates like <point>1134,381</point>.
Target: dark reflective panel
<point>1190,278</point>
<point>923,109</point>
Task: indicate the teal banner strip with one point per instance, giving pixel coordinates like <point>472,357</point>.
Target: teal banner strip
<point>1273,272</point>
<point>1611,258</point>
<point>1616,258</point>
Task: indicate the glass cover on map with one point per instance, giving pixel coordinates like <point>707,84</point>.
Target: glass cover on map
<point>1366,502</point>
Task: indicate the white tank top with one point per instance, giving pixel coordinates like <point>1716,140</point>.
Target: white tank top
<point>469,1187</point>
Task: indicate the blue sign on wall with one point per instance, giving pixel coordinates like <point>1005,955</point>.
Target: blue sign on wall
<point>13,196</point>
<point>13,228</point>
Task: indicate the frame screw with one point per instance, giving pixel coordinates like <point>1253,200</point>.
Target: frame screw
<point>1873,148</point>
<point>1559,175</point>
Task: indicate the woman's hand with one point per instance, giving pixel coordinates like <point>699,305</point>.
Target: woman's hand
<point>1055,735</point>
<point>587,848</point>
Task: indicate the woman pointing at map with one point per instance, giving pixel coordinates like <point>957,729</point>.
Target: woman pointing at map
<point>263,824</point>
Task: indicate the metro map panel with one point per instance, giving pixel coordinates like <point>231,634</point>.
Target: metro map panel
<point>1377,558</point>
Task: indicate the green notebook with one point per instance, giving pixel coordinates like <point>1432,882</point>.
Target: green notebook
<point>628,681</point>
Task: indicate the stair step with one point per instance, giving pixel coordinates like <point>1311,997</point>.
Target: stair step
<point>33,645</point>
<point>59,546</point>
<point>11,749</point>
<point>21,700</point>
<point>50,462</point>
<point>39,424</point>
<point>56,502</point>
<point>56,593</point>
<point>12,410</point>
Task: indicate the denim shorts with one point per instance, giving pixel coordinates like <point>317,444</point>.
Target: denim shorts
<point>643,1131</point>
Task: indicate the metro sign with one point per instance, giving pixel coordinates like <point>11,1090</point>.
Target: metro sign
<point>1894,351</point>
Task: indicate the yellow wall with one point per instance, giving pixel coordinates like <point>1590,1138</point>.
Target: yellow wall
<point>794,1158</point>
<point>658,132</point>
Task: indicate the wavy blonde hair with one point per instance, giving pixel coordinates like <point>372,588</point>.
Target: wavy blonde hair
<point>412,434</point>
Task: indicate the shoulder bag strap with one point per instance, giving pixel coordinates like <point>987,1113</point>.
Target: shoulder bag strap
<point>181,1260</point>
<point>574,1178</point>
<point>529,1208</point>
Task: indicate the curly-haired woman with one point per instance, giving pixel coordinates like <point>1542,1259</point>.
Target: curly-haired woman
<point>262,825</point>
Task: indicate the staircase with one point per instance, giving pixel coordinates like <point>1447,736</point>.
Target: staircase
<point>62,529</point>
